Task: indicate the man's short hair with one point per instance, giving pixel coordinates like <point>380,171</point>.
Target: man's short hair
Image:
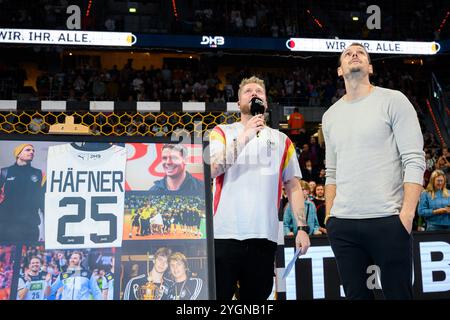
<point>79,253</point>
<point>179,257</point>
<point>34,257</point>
<point>252,79</point>
<point>163,252</point>
<point>305,185</point>
<point>177,147</point>
<point>354,44</point>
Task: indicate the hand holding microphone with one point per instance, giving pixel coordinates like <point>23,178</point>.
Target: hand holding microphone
<point>255,124</point>
<point>257,108</point>
<point>252,128</point>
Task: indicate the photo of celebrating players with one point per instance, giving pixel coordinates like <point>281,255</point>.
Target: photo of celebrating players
<point>164,217</point>
<point>86,274</point>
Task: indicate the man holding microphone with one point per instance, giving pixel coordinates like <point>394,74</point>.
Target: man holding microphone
<point>250,163</point>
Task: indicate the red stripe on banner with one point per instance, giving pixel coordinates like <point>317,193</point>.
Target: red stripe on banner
<point>199,176</point>
<point>194,159</point>
<point>218,191</point>
<point>157,161</point>
<point>140,150</point>
<point>286,148</point>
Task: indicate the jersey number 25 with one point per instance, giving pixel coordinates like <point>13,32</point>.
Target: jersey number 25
<point>95,215</point>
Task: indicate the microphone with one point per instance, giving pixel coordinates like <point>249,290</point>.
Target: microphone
<point>256,107</point>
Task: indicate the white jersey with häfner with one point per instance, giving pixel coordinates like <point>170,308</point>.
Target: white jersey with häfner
<point>84,199</point>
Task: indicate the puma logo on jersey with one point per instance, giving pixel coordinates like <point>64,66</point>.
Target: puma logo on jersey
<point>89,156</point>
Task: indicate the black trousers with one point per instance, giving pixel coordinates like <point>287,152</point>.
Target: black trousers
<point>381,242</point>
<point>249,262</point>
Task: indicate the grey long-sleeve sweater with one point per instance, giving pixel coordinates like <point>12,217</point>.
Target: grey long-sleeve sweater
<point>373,146</point>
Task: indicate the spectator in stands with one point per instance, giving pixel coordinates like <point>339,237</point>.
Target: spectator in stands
<point>429,140</point>
<point>37,123</point>
<point>160,128</point>
<point>309,172</point>
<point>290,223</point>
<point>312,186</point>
<point>98,87</point>
<point>283,203</point>
<point>430,160</point>
<point>316,152</point>
<point>430,163</point>
<point>43,85</point>
<point>373,142</point>
<point>314,95</point>
<point>110,24</point>
<point>321,179</point>
<point>446,153</point>
<point>304,156</point>
<point>319,201</point>
<point>445,156</point>
<point>296,125</point>
<point>444,165</point>
<point>79,85</point>
<point>72,95</point>
<point>434,204</point>
<point>112,88</point>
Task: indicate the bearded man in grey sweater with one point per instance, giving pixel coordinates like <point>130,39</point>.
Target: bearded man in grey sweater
<point>374,149</point>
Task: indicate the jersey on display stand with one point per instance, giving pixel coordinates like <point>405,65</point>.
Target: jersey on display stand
<point>84,199</point>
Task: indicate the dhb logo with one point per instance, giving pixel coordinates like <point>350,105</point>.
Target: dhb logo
<point>213,42</point>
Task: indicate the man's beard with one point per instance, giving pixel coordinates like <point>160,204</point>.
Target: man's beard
<point>355,72</point>
<point>245,109</point>
<point>355,69</point>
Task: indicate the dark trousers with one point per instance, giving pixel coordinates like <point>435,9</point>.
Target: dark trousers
<point>381,242</point>
<point>249,262</point>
